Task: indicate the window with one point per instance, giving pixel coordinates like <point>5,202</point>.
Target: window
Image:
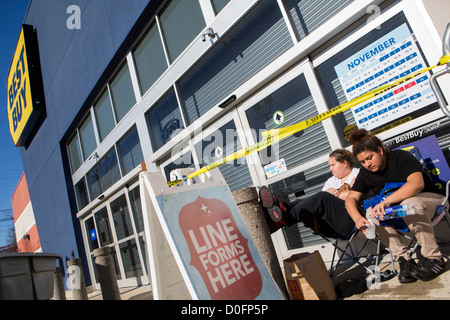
<point>220,143</point>
<point>121,217</point>
<point>136,208</point>
<point>295,101</point>
<point>308,15</point>
<point>181,22</point>
<point>130,259</point>
<point>104,230</point>
<point>218,5</point>
<point>164,120</point>
<point>103,175</point>
<point>87,137</point>
<point>258,40</point>
<point>90,227</point>
<point>75,156</point>
<point>130,152</point>
<point>104,115</point>
<point>300,185</point>
<point>81,194</point>
<point>122,93</point>
<point>380,56</point>
<point>149,59</point>
<point>184,161</point>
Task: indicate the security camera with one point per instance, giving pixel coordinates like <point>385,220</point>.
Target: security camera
<point>210,33</point>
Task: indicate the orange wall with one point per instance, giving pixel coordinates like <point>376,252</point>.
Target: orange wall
<point>20,200</point>
<point>20,197</point>
<point>32,244</point>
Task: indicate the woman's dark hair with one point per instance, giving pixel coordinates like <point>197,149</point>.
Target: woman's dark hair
<point>361,140</point>
<point>341,155</point>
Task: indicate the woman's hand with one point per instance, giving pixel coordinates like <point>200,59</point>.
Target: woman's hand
<point>335,192</point>
<point>378,210</point>
<point>361,224</point>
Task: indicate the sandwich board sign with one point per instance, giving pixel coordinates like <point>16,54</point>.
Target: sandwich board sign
<point>197,243</point>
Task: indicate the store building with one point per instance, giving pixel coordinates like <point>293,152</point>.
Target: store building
<point>172,84</point>
<point>27,236</point>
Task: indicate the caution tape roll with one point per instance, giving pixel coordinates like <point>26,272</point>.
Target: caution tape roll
<point>271,136</point>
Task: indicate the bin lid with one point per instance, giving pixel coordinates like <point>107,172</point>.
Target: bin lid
<point>29,254</point>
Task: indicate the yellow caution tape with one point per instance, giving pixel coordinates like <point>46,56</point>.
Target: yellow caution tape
<point>274,135</point>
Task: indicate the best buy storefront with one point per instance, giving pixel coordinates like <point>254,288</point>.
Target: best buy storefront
<point>177,84</point>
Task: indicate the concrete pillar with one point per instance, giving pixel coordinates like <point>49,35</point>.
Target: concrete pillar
<point>253,216</point>
<point>106,274</point>
<point>76,278</point>
<point>58,285</point>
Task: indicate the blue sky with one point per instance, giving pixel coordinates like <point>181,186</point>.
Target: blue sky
<point>12,15</point>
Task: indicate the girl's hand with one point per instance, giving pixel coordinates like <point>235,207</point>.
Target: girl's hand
<point>334,192</point>
<point>361,224</point>
<point>378,210</point>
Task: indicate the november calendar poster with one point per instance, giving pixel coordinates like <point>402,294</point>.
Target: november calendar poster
<point>391,57</point>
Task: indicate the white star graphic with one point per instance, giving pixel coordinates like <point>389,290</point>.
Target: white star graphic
<point>205,209</point>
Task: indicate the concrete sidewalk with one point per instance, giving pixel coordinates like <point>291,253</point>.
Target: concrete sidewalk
<point>132,293</point>
<point>437,289</point>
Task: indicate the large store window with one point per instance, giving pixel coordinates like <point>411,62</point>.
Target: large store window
<point>87,138</point>
<point>115,102</point>
<point>181,22</point>
<point>130,151</point>
<point>149,59</point>
<point>74,149</point>
<point>110,169</point>
<point>164,120</point>
<point>294,99</point>
<point>181,160</point>
<point>103,175</point>
<point>122,93</point>
<point>379,57</point>
<point>220,143</point>
<point>218,5</point>
<point>258,40</point>
<point>104,115</point>
<point>308,15</point>
<point>298,186</point>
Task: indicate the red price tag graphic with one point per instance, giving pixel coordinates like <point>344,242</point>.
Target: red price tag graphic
<point>219,251</point>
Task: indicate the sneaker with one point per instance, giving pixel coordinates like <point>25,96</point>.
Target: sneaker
<point>428,269</point>
<point>271,204</point>
<point>406,267</point>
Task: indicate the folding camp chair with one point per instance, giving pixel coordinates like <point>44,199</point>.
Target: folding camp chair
<point>348,251</point>
<point>441,212</point>
<point>344,252</point>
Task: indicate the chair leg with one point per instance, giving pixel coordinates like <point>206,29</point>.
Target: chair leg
<point>344,253</point>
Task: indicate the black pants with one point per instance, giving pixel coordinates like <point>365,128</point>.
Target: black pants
<point>324,207</point>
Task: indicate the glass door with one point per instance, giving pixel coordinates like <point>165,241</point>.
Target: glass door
<point>118,224</point>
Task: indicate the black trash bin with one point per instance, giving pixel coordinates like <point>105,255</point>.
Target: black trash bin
<point>27,276</point>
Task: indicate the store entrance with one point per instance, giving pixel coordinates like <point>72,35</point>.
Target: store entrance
<point>118,224</point>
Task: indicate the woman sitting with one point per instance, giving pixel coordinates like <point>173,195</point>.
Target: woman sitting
<point>381,166</point>
<point>325,210</point>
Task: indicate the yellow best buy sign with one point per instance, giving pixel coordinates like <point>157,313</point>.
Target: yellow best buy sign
<point>24,87</point>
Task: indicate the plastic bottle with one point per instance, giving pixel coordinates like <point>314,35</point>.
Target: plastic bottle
<point>370,229</point>
<point>398,211</point>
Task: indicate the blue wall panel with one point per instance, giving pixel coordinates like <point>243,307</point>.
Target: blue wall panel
<point>72,62</point>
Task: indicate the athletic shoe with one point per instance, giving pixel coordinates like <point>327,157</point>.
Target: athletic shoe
<point>428,269</point>
<point>406,267</point>
<point>271,204</point>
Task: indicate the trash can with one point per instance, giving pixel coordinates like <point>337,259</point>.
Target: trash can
<point>27,276</point>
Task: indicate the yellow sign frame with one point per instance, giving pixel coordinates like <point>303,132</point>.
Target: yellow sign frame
<point>25,97</point>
